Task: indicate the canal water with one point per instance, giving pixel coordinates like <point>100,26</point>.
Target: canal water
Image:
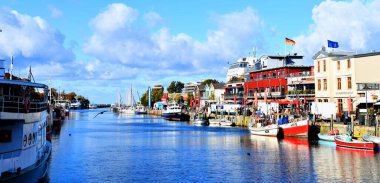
<point>121,148</point>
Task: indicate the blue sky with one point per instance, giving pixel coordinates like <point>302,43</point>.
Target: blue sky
<point>100,48</point>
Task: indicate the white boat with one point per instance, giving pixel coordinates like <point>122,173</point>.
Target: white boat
<point>23,121</point>
<point>326,137</point>
<point>226,122</point>
<point>93,106</point>
<point>140,110</point>
<point>130,103</point>
<point>174,112</point>
<point>75,104</point>
<point>214,122</point>
<point>201,120</point>
<point>256,127</point>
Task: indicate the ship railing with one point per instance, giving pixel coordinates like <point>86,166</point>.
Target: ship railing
<point>17,105</point>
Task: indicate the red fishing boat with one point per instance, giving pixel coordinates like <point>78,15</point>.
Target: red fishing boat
<point>296,129</point>
<point>345,141</point>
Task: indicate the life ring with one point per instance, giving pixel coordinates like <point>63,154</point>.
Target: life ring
<point>26,104</point>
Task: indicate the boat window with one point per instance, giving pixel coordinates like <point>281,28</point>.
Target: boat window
<point>5,136</point>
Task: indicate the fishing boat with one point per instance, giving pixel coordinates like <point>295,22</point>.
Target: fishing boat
<point>201,120</point>
<point>297,128</point>
<point>214,122</point>
<point>345,141</point>
<point>174,112</point>
<point>23,121</point>
<point>140,110</point>
<point>374,139</point>
<point>257,127</point>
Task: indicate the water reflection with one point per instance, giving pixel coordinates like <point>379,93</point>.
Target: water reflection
<point>122,148</point>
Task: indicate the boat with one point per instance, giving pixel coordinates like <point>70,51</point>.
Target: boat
<point>214,122</point>
<point>330,136</point>
<point>201,120</point>
<point>65,104</point>
<point>226,122</point>
<point>345,141</point>
<point>174,112</point>
<point>374,139</point>
<point>140,110</point>
<point>75,104</point>
<point>257,127</point>
<point>23,119</point>
<point>93,106</point>
<point>297,128</point>
<point>130,104</point>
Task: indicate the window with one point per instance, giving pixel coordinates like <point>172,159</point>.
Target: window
<point>319,84</point>
<point>283,73</point>
<point>348,63</point>
<point>264,76</point>
<point>349,82</point>
<point>339,84</point>
<point>5,136</point>
<point>338,64</point>
<point>326,100</point>
<point>319,100</point>
<point>325,84</point>
<point>274,75</point>
<point>319,69</point>
<point>340,105</point>
<point>324,65</point>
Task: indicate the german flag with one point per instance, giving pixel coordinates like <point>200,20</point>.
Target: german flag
<point>289,41</point>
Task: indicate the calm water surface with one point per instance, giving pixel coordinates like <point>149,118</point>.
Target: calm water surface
<point>121,148</point>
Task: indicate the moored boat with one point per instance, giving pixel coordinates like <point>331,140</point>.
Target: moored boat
<point>346,141</point>
<point>295,129</point>
<point>257,128</point>
<point>140,110</point>
<point>174,112</point>
<point>374,139</point>
<point>226,122</point>
<point>326,137</point>
<point>23,121</point>
<point>201,120</point>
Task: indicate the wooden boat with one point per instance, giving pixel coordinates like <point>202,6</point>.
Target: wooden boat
<point>256,128</point>
<point>374,139</point>
<point>326,137</point>
<point>345,141</point>
<point>295,129</point>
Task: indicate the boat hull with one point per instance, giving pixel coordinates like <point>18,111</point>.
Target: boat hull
<point>141,112</point>
<point>265,131</point>
<point>176,116</point>
<point>374,139</point>
<point>201,122</point>
<point>330,138</point>
<point>369,146</point>
<point>295,129</point>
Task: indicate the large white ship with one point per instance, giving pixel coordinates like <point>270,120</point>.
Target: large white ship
<point>23,121</point>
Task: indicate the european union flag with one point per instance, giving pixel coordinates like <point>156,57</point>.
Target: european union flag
<point>332,44</point>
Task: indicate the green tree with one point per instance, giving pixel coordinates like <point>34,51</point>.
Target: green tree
<point>175,87</point>
<point>84,101</point>
<point>209,81</point>
<point>157,94</point>
<point>236,79</point>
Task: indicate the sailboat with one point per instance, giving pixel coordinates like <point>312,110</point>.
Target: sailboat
<point>130,103</point>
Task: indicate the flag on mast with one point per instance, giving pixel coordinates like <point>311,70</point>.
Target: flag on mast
<point>290,41</point>
<point>332,44</point>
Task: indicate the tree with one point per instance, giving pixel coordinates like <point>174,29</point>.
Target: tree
<point>209,81</point>
<point>175,87</point>
<point>84,101</point>
<point>157,94</point>
<point>70,96</point>
<point>236,79</point>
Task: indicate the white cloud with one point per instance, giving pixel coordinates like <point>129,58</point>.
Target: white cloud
<point>116,16</point>
<point>355,25</point>
<point>153,19</point>
<point>55,12</point>
<point>31,40</point>
<point>164,54</point>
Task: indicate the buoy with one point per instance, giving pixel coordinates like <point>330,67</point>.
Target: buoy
<point>248,154</point>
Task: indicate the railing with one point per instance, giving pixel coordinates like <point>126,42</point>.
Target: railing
<point>269,95</point>
<point>17,105</point>
<point>279,77</point>
<point>301,93</point>
<point>232,95</point>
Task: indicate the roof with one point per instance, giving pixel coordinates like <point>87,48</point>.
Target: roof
<point>22,83</point>
<point>218,85</point>
<point>332,54</point>
<point>201,87</point>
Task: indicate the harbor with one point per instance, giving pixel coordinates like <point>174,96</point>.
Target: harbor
<point>144,145</point>
<point>149,91</point>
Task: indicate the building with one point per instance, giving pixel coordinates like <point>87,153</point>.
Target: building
<point>271,75</point>
<point>301,86</point>
<point>189,87</point>
<point>217,92</point>
<point>340,76</point>
<point>240,67</point>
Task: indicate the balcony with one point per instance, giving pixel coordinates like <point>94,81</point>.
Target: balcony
<point>301,93</point>
<point>269,95</point>
<point>232,96</point>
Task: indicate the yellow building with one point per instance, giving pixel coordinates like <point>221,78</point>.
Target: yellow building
<point>341,75</point>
